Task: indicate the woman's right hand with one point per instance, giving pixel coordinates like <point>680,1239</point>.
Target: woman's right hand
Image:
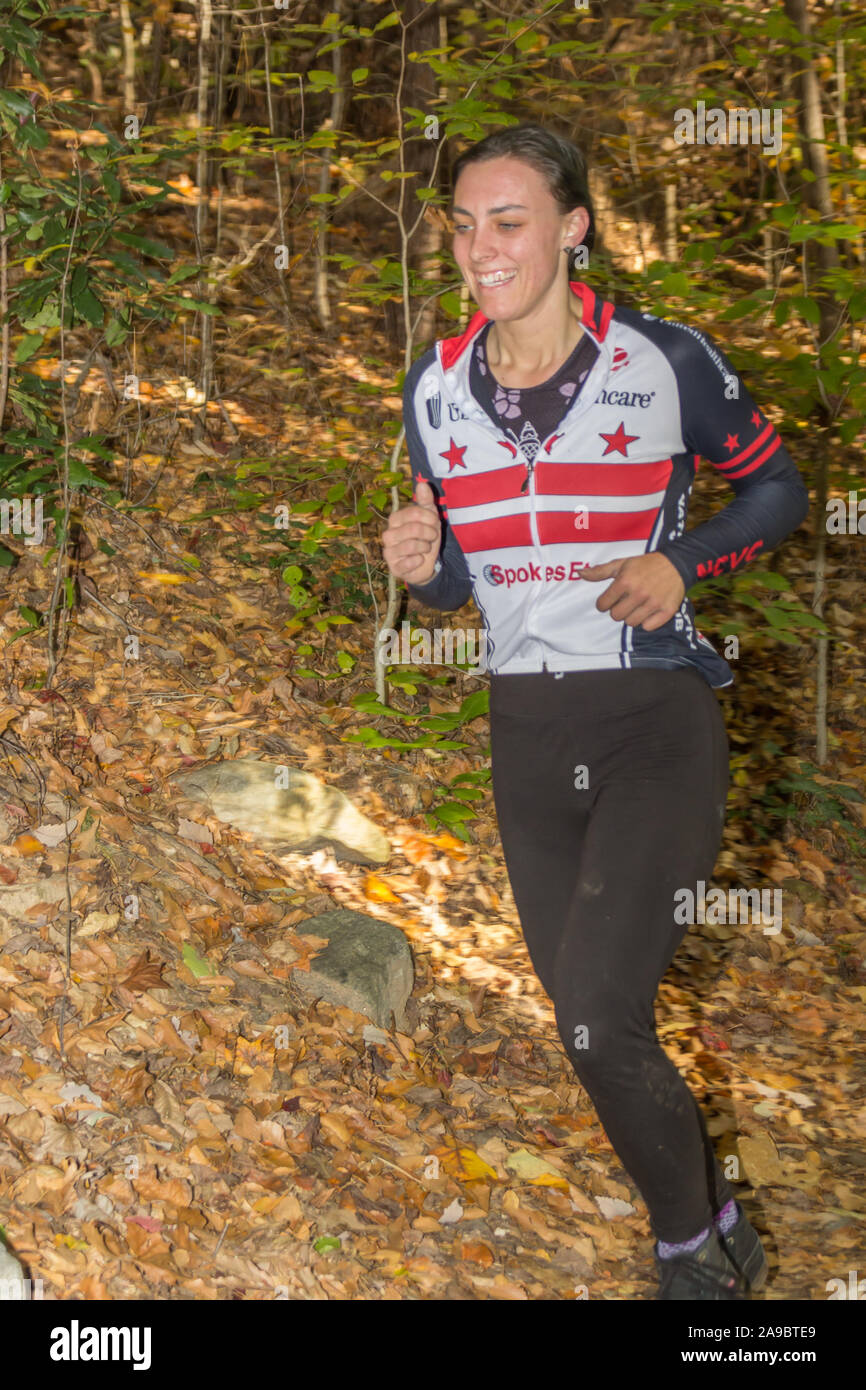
<point>412,538</point>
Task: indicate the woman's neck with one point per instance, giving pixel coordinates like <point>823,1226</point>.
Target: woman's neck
<point>521,358</point>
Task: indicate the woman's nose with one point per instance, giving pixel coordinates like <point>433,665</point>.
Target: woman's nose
<point>481,248</point>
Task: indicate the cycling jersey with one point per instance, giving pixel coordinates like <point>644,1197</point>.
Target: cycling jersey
<point>612,481</point>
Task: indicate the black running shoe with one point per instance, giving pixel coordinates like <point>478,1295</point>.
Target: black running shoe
<point>707,1273</point>
<point>743,1247</point>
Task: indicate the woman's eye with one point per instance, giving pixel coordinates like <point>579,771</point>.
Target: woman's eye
<point>508,226</point>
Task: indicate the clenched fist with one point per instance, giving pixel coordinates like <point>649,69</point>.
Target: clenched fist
<point>412,538</point>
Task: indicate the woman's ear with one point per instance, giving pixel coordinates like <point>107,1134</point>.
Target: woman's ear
<point>578,226</point>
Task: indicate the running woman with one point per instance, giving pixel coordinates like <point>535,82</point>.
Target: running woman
<point>554,445</point>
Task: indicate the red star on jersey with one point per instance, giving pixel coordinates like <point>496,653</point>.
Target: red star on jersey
<point>618,442</point>
<point>732,442</point>
<point>756,419</point>
<point>454,456</point>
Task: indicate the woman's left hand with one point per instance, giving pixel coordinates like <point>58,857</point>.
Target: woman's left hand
<point>647,590</point>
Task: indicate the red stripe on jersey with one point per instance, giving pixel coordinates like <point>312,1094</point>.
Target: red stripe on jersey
<point>602,479</point>
<point>556,528</point>
<point>748,451</point>
<point>558,480</point>
<point>499,533</point>
<point>774,444</point>
<point>480,488</point>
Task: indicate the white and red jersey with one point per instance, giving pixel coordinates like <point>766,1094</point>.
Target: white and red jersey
<point>612,481</point>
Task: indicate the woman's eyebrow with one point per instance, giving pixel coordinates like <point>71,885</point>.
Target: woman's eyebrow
<point>491,212</point>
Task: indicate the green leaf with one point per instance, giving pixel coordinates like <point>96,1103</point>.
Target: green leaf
<point>81,476</point>
<point>807,307</point>
<point>198,304</point>
<point>112,185</point>
<point>676,283</point>
<point>30,343</point>
<point>454,811</point>
<point>475,704</point>
<point>193,961</point>
<point>88,307</point>
<point>157,249</point>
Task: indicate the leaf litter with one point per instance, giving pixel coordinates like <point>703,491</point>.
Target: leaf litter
<point>177,1121</point>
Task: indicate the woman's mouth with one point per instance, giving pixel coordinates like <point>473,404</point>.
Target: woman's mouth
<point>494,279</point>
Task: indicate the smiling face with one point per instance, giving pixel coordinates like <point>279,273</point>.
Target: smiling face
<point>508,238</point>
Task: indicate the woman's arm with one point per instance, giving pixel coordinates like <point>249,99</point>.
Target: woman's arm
<point>451,586</point>
<point>721,422</point>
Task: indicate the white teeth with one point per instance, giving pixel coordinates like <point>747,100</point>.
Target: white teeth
<point>499,278</point>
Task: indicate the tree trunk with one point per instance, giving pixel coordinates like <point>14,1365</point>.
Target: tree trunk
<point>334,121</point>
<point>821,259</point>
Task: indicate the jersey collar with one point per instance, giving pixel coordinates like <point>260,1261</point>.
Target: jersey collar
<point>597,314</point>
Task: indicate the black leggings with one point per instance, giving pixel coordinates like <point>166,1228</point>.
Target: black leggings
<point>594,862</point>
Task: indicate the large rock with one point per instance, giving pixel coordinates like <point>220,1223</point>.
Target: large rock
<point>366,966</point>
<point>282,804</point>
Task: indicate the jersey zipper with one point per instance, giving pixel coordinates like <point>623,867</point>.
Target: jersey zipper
<point>527,488</point>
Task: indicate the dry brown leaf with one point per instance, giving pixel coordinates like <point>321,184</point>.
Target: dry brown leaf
<point>144,973</point>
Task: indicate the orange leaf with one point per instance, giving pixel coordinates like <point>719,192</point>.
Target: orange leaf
<point>416,848</point>
<point>450,843</point>
<point>808,1021</point>
<point>27,844</point>
<point>377,890</point>
<point>477,1252</point>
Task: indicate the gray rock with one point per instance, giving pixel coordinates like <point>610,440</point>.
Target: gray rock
<point>294,809</point>
<point>366,966</point>
<point>17,898</point>
<point>13,1285</point>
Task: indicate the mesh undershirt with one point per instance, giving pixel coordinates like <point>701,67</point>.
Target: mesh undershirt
<point>528,415</point>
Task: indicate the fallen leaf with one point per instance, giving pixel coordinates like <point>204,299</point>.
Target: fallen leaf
<point>28,844</point>
<point>144,974</point>
<point>193,961</point>
<point>96,922</point>
<point>377,890</point>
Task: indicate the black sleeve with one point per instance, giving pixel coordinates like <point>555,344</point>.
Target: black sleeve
<point>721,422</point>
<point>452,586</point>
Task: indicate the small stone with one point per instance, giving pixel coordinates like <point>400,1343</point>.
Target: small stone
<point>366,966</point>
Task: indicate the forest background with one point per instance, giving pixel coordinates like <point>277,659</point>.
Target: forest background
<point>223,240</point>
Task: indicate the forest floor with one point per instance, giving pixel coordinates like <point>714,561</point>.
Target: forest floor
<point>166,1132</point>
